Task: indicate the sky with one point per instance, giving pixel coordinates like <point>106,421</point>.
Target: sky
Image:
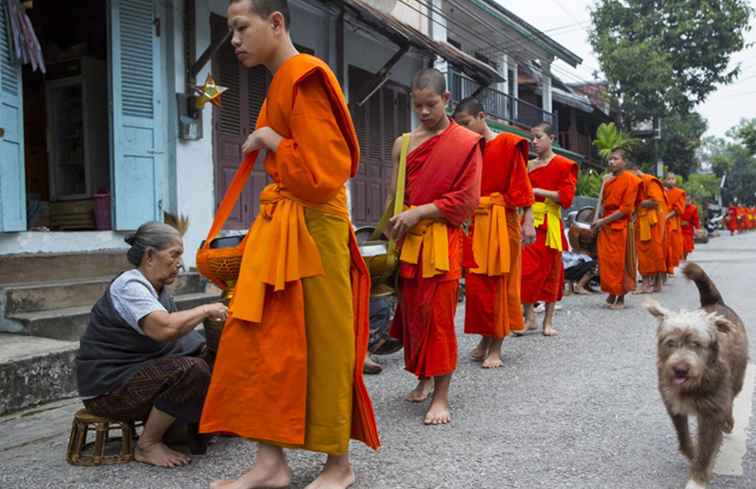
<point>568,21</point>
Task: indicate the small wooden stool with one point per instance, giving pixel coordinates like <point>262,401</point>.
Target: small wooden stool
<point>83,422</point>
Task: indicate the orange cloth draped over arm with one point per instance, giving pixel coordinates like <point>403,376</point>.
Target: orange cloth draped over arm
<point>444,170</point>
<point>272,374</point>
<point>492,286</point>
<point>690,223</point>
<point>542,267</point>
<point>620,194</point>
<point>650,227</point>
<point>676,197</point>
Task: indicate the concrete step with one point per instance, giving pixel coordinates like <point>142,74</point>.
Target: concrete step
<point>70,323</point>
<point>35,371</point>
<point>49,267</point>
<point>47,296</point>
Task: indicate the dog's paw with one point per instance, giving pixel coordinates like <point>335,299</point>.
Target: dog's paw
<point>694,485</point>
<point>728,424</point>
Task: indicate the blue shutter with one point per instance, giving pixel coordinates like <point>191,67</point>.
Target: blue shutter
<point>137,141</point>
<point>12,174</point>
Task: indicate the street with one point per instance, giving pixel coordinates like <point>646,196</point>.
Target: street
<point>578,411</point>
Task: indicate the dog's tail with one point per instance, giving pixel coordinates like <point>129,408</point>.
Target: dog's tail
<point>709,293</point>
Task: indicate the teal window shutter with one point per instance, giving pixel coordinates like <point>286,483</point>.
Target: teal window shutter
<point>12,173</point>
<point>137,140</point>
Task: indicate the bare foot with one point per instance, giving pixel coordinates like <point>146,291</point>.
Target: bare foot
<point>579,290</point>
<point>438,413</point>
<point>334,476</point>
<point>617,307</point>
<point>550,331</point>
<point>493,360</point>
<point>479,352</point>
<point>421,392</point>
<point>260,476</point>
<point>159,454</point>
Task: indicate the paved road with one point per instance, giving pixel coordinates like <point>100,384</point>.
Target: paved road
<point>578,411</point>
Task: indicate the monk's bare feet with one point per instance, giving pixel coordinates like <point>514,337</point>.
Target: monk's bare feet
<point>159,454</point>
<point>548,330</point>
<point>617,306</point>
<point>480,351</point>
<point>493,360</point>
<point>438,413</point>
<point>580,290</point>
<point>337,474</point>
<point>421,392</point>
<point>610,299</point>
<point>268,472</point>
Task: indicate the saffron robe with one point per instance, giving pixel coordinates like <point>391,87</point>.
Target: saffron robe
<point>690,223</point>
<point>289,365</point>
<point>492,285</point>
<point>444,170</point>
<point>542,267</point>
<point>676,198</point>
<point>613,244</point>
<point>732,219</point>
<point>651,226</point>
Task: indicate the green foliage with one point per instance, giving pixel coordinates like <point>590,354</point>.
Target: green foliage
<point>681,139</point>
<point>733,158</point>
<point>588,183</point>
<point>702,187</point>
<point>745,133</point>
<point>608,137</point>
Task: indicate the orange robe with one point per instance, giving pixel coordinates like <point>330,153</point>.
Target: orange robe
<point>732,219</point>
<point>676,198</point>
<point>690,223</point>
<point>289,365</point>
<point>650,227</point>
<point>492,285</point>
<point>542,267</point>
<point>444,170</point>
<point>620,194</point>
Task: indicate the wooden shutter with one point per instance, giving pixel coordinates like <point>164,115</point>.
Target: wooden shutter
<point>12,173</point>
<point>136,113</point>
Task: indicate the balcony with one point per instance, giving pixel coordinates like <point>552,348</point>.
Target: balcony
<point>499,104</point>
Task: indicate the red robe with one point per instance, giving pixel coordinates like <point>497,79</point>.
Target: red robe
<point>445,170</point>
<point>614,241</point>
<point>493,306</point>
<point>732,219</point>
<point>542,267</point>
<point>676,198</point>
<point>690,223</point>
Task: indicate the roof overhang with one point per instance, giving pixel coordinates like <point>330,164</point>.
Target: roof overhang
<point>404,35</point>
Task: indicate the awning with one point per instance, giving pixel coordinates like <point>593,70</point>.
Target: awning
<point>405,35</point>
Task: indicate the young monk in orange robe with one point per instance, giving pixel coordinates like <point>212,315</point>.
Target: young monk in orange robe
<point>650,231</point>
<point>690,222</point>
<point>289,366</point>
<point>620,194</point>
<point>493,307</point>
<point>443,189</point>
<point>676,198</point>
<point>553,179</point>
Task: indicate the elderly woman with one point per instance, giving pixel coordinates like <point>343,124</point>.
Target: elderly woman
<point>139,357</point>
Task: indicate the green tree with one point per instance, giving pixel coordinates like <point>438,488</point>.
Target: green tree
<point>702,187</point>
<point>745,132</point>
<point>681,138</point>
<point>588,183</point>
<point>608,137</point>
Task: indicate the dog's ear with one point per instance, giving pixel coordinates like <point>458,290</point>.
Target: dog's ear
<point>656,309</point>
<point>723,324</point>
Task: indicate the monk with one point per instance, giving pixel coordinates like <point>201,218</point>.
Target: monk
<point>650,231</point>
<point>289,365</point>
<point>493,308</point>
<point>442,192</point>
<point>553,178</point>
<point>690,223</point>
<point>732,219</point>
<point>615,245</point>
<point>676,198</point>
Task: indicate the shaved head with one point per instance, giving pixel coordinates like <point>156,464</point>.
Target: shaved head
<point>470,106</point>
<point>430,78</point>
<point>264,8</point>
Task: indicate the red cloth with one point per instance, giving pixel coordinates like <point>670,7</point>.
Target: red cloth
<point>493,306</point>
<point>444,170</point>
<point>542,268</point>
<point>732,219</point>
<point>690,223</point>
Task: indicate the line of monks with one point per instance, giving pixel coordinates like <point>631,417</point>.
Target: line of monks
<point>740,219</point>
<point>288,372</point>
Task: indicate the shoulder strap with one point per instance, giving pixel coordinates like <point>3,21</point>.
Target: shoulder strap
<point>396,204</point>
<point>232,196</point>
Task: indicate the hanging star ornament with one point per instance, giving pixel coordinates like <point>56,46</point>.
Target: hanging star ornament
<point>209,92</point>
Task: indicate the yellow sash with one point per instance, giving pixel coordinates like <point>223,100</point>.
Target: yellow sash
<point>554,228</point>
<point>646,219</point>
<point>433,237</point>
<point>491,236</point>
<point>279,249</point>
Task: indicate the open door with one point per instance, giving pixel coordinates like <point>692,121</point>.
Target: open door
<point>12,174</point>
<point>136,112</point>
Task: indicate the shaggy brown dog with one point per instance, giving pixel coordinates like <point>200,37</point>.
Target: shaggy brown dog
<point>701,359</point>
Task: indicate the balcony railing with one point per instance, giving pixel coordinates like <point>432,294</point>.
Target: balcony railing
<point>499,104</point>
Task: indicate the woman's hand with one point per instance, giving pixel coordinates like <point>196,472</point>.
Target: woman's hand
<point>265,137</point>
<point>217,311</point>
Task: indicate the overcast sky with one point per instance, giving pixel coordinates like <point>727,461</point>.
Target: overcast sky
<point>568,21</point>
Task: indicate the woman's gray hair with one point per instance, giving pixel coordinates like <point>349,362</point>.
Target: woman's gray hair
<point>149,235</point>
